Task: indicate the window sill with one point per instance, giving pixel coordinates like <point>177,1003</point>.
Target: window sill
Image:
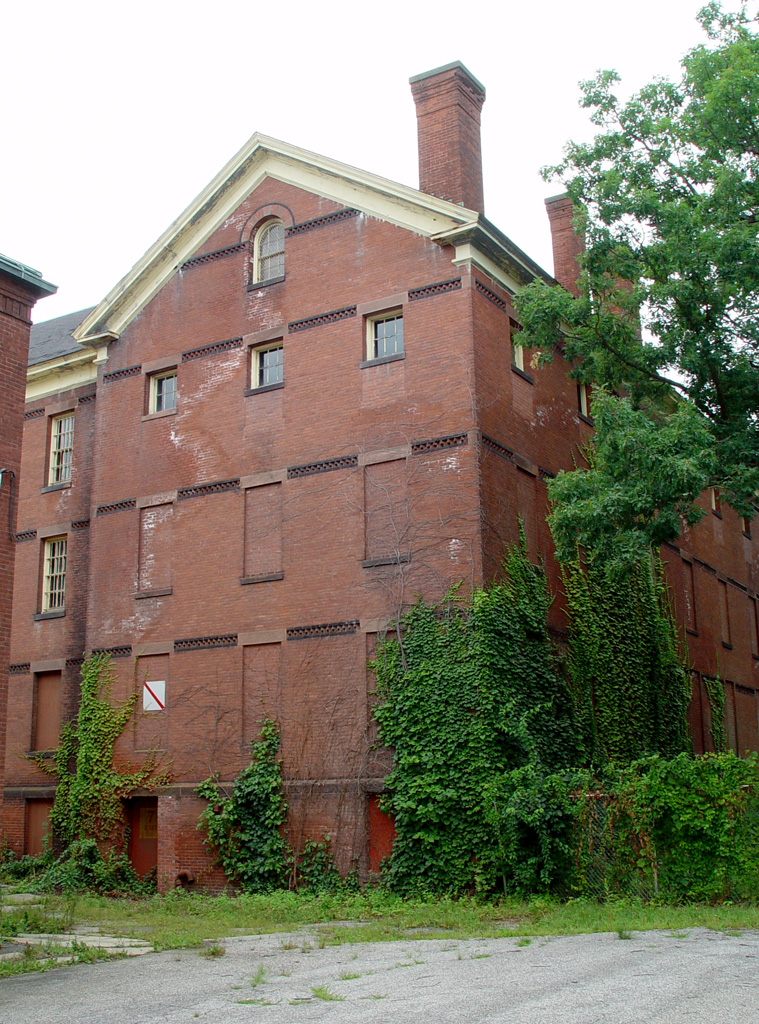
<point>142,595</point>
<point>255,285</point>
<point>586,419</point>
<point>267,577</point>
<point>371,563</point>
<point>263,388</point>
<point>691,632</point>
<point>755,657</point>
<point>159,415</point>
<point>46,755</point>
<point>57,614</point>
<point>747,535</point>
<point>56,487</point>
<point>382,359</point>
<point>728,647</point>
<point>716,513</point>
<point>522,374</point>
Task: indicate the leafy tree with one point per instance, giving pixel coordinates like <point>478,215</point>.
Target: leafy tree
<point>667,309</point>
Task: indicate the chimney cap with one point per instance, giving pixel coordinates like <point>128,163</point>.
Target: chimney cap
<point>453,66</point>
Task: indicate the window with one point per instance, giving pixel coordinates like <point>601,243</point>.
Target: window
<point>267,366</point>
<point>583,400</point>
<point>517,351</point>
<point>716,501</point>
<point>269,252</point>
<point>163,392</point>
<point>746,527</point>
<point>61,449</point>
<point>385,336</point>
<point>54,575</point>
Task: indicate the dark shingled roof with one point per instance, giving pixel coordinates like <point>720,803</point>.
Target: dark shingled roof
<point>53,337</point>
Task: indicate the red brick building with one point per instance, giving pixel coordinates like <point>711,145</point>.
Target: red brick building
<point>298,411</point>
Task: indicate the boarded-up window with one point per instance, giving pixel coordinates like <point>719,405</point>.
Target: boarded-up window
<point>262,555</point>
<point>527,510</point>
<point>47,710</point>
<point>37,826</point>
<point>730,731</point>
<point>261,697</point>
<point>747,734</point>
<point>155,547</point>
<point>689,593</point>
<point>386,511</point>
<point>724,612</point>
<point>151,728</point>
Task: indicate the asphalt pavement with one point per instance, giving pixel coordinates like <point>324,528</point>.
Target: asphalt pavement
<point>698,977</point>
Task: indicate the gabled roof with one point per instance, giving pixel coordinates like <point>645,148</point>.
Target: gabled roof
<point>259,158</point>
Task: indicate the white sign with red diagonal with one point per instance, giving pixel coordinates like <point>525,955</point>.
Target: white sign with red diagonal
<point>154,695</point>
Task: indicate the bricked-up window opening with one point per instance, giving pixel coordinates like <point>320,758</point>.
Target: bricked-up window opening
<point>163,391</point>
<point>689,589</point>
<point>262,555</point>
<point>385,336</point>
<point>269,254</point>
<point>54,574</point>
<point>155,547</point>
<point>61,449</point>
<point>47,711</point>
<point>386,511</point>
<point>268,366</point>
<point>724,613</point>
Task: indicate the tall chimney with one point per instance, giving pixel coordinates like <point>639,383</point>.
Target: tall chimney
<point>448,105</point>
<point>568,246</point>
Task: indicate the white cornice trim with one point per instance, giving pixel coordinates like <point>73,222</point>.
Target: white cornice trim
<point>54,375</point>
<point>259,158</point>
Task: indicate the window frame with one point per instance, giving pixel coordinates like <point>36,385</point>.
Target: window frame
<point>372,322</point>
<point>257,368</point>
<point>60,456</point>
<point>153,394</point>
<point>261,270</point>
<point>583,401</point>
<point>53,596</point>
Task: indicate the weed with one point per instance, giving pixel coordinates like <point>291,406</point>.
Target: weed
<point>524,942</point>
<point>348,976</point>
<point>258,1002</point>
<point>213,951</point>
<point>679,935</point>
<point>479,956</point>
<point>373,996</point>
<point>624,933</point>
<point>325,992</point>
<point>259,977</point>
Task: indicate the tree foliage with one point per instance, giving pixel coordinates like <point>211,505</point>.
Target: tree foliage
<point>667,196</point>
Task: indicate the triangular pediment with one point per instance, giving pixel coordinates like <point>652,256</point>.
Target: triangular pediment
<point>262,157</point>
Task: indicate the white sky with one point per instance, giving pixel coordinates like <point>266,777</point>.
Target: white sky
<point>116,116</point>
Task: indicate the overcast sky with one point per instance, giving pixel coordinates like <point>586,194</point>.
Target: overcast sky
<point>117,116</point>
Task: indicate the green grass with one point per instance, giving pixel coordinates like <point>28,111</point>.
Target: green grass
<point>325,992</point>
<point>182,920</point>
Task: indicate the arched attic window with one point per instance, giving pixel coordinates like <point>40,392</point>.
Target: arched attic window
<point>269,252</point>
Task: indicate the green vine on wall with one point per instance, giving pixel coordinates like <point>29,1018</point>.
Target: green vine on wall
<point>89,799</point>
<point>469,692</point>
<point>244,828</point>
<point>629,683</point>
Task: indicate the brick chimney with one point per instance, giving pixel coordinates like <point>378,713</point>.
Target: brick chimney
<point>567,244</point>
<point>448,105</point>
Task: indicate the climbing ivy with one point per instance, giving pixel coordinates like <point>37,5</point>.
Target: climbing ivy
<point>629,683</point>
<point>244,828</point>
<point>468,691</point>
<point>89,799</point>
